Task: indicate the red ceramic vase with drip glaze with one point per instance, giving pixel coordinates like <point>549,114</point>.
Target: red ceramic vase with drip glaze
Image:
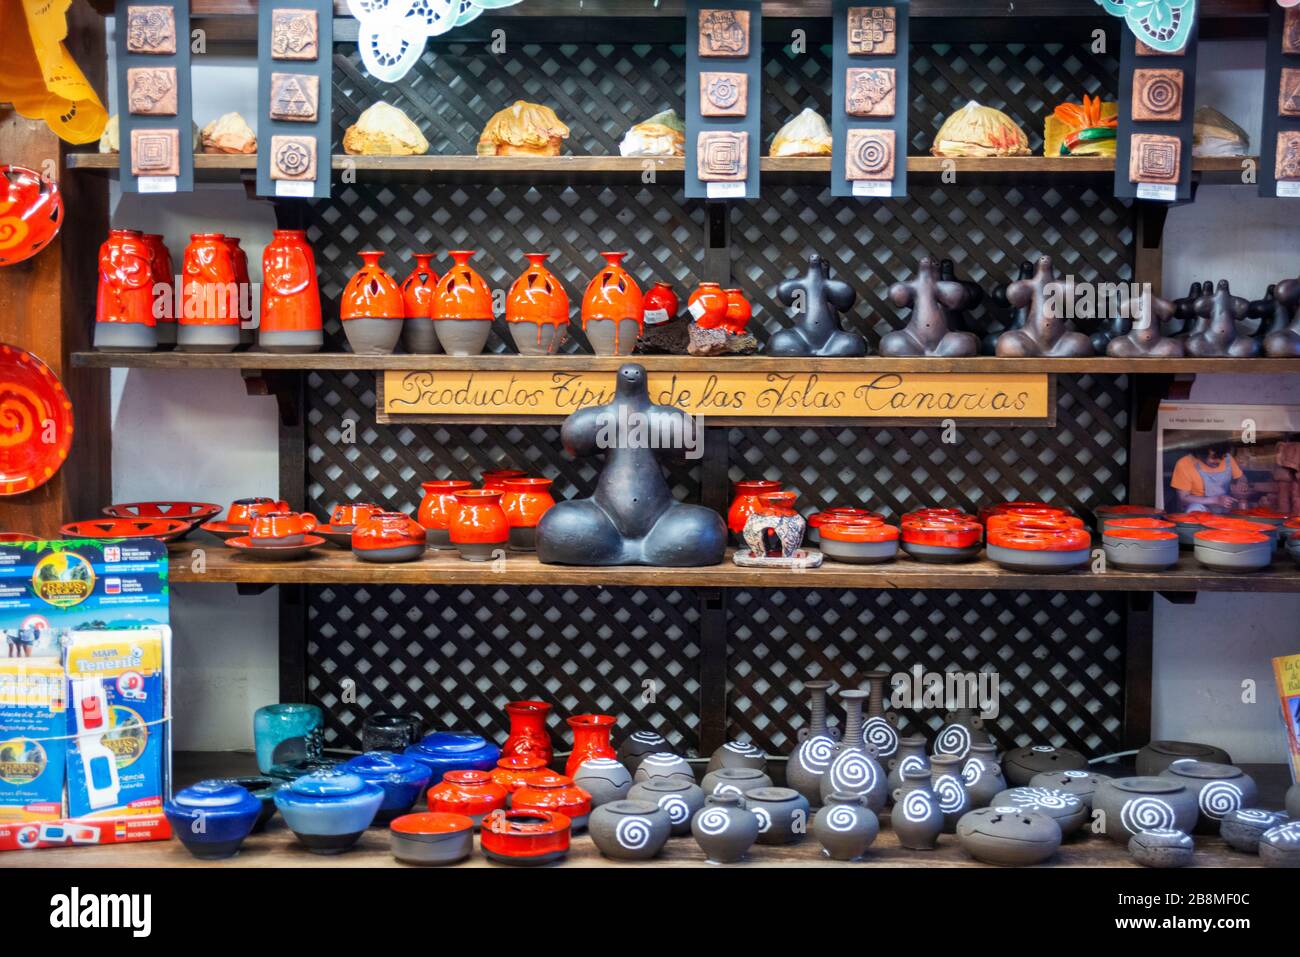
<point>659,304</point>
<point>436,507</point>
<point>478,527</point>
<point>243,289</point>
<point>613,311</point>
<point>528,736</point>
<point>419,333</point>
<point>537,309</point>
<point>512,771</point>
<point>372,308</point>
<point>739,312</point>
<point>745,498</point>
<point>462,307</point>
<point>124,302</point>
<point>556,793</point>
<point>209,320</point>
<point>590,739</point>
<point>708,305</point>
<point>291,318</point>
<point>164,275</point>
<point>525,501</point>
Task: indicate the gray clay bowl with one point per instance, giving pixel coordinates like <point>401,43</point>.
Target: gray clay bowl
<point>1007,836</point>
<point>1037,562</point>
<point>432,849</point>
<point>1141,556</point>
<point>1162,847</point>
<point>1158,755</point>
<point>860,553</point>
<point>1232,557</point>
<point>1021,764</point>
<point>942,554</point>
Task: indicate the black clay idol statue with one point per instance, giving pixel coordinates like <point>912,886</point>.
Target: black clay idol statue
<point>817,330</point>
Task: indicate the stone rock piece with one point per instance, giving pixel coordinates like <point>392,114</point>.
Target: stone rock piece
<point>723,156</point>
<point>724,33</point>
<point>228,133</point>
<point>869,155</point>
<point>295,97</point>
<point>1158,95</point>
<point>293,157</point>
<point>870,91</point>
<point>384,130</point>
<point>724,94</point>
<point>150,29</point>
<point>155,152</point>
<point>295,35</point>
<point>873,31</point>
<point>151,91</point>
<point>1154,158</point>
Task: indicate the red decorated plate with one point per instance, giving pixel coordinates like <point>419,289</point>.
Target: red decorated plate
<point>31,211</point>
<point>35,421</point>
<point>166,529</point>
<point>192,512</point>
<point>7,538</point>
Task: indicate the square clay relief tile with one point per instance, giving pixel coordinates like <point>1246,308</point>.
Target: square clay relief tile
<point>294,97</point>
<point>1154,158</point>
<point>1143,50</point>
<point>151,91</point>
<point>1158,95</point>
<point>1288,156</point>
<point>294,35</point>
<point>155,152</point>
<point>722,156</point>
<point>1291,31</point>
<point>150,30</point>
<point>724,94</point>
<point>724,33</point>
<point>1288,94</point>
<point>870,91</point>
<point>293,157</point>
<point>873,31</point>
<point>869,154</point>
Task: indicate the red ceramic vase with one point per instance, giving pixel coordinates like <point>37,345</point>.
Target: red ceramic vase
<point>418,288</point>
<point>472,793</point>
<point>660,304</point>
<point>739,312</point>
<point>478,527</point>
<point>163,272</point>
<point>590,739</point>
<point>291,317</point>
<point>461,292</point>
<point>708,305</point>
<point>125,293</point>
<point>528,736</point>
<point>537,308</point>
<point>371,293</point>
<point>612,299</point>
<point>746,498</point>
<point>209,296</point>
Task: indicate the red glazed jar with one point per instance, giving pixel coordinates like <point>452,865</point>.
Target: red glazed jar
<point>436,507</point>
<point>941,541</point>
<point>525,501</point>
<point>739,312</point>
<point>545,791</point>
<point>349,516</point>
<point>462,307</point>
<point>1026,520</point>
<point>244,510</point>
<point>496,478</point>
<point>708,305</point>
<point>124,302</point>
<point>537,309</point>
<point>388,537</point>
<point>512,772</point>
<point>590,739</point>
<point>525,837</point>
<point>528,736</point>
<point>1029,508</point>
<point>745,498</point>
<point>243,289</point>
<point>1035,550</point>
<point>659,304</point>
<point>472,793</point>
<point>164,278</point>
<point>865,541</point>
<point>613,312</point>
<point>209,320</point>
<point>419,333</point>
<point>478,527</point>
<point>371,308</point>
<point>291,320</point>
<point>940,514</point>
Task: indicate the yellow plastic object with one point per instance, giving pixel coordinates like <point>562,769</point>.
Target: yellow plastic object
<point>39,76</point>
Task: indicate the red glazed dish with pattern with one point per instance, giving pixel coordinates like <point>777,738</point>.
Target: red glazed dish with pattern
<point>163,529</point>
<point>525,837</point>
<point>196,513</point>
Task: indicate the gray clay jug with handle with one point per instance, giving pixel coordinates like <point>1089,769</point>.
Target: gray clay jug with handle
<point>724,829</point>
<point>810,759</point>
<point>949,788</point>
<point>917,818</point>
<point>982,774</point>
<point>845,827</point>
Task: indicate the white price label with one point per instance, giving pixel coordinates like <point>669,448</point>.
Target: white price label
<point>873,187</point>
<point>1164,192</point>
<point>697,310</point>
<point>1288,188</point>
<point>725,190</point>
<point>156,184</point>
<point>295,187</point>
<point>655,317</point>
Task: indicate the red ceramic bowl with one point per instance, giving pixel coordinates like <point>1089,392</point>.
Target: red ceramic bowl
<point>546,791</point>
<point>942,534</point>
<point>525,837</point>
<point>1039,523</point>
<point>193,512</point>
<point>167,529</point>
<point>859,531</point>
<point>1160,524</point>
<point>513,770</point>
<point>472,793</point>
<point>526,500</point>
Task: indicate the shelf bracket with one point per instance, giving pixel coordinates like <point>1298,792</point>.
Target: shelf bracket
<point>253,589</point>
<point>283,385</point>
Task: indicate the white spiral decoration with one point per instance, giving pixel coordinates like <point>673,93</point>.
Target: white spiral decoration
<point>764,819</point>
<point>841,818</point>
<point>853,773</point>
<point>1146,814</point>
<point>1259,817</point>
<point>1288,833</point>
<point>951,794</point>
<point>712,820</point>
<point>954,739</point>
<point>1044,798</point>
<point>917,806</point>
<point>971,771</point>
<point>1183,839</point>
<point>913,762</point>
<point>1218,798</point>
<point>678,810</point>
<point>633,833</point>
<point>880,734</point>
<point>600,764</point>
<point>816,753</point>
<point>742,748</point>
<point>1042,748</point>
<point>1077,774</point>
<point>661,759</point>
<point>728,789</point>
<point>647,737</point>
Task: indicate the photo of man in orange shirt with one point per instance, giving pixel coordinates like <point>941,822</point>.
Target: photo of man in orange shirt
<point>1209,480</point>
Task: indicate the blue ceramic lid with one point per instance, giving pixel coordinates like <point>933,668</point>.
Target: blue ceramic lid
<point>375,764</point>
<point>329,784</point>
<point>213,795</point>
<point>449,743</point>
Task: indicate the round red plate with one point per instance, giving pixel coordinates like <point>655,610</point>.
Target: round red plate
<point>165,529</point>
<point>35,422</point>
<point>31,211</point>
<point>192,512</point>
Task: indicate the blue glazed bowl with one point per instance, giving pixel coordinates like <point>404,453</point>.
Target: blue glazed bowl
<point>329,810</point>
<point>212,818</point>
<point>403,780</point>
<point>444,751</point>
<point>263,788</point>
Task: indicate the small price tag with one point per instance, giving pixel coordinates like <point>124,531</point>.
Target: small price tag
<point>1288,188</point>
<point>1164,192</point>
<point>725,190</point>
<point>156,184</point>
<point>302,188</point>
<point>656,317</point>
<point>696,309</point>
<point>873,187</point>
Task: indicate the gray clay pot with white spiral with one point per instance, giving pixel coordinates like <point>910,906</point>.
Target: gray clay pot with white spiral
<point>604,779</point>
<point>917,819</point>
<point>910,756</point>
<point>949,787</point>
<point>1130,805</point>
<point>737,781</point>
<point>961,728</point>
<point>638,744</point>
<point>629,830</point>
<point>664,765</point>
<point>812,756</point>
<point>783,814</point>
<point>982,775</point>
<point>1082,784</point>
<point>845,827</point>
<point>737,754</point>
<point>1218,788</point>
<point>854,769</point>
<point>724,829</point>
<point>880,730</point>
<point>681,799</point>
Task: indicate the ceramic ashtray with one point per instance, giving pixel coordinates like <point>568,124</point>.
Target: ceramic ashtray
<point>1243,828</point>
<point>1232,551</point>
<point>1008,836</point>
<point>431,838</point>
<point>525,837</point>
<point>1064,808</point>
<point>1021,764</point>
<point>1139,549</point>
<point>942,541</point>
<point>862,542</point>
<point>1039,551</point>
<point>212,818</point>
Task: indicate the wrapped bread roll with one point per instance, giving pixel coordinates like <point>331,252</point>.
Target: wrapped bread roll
<point>384,130</point>
<point>523,129</point>
<point>805,135</point>
<point>977,130</point>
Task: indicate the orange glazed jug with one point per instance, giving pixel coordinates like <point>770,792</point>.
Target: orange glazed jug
<point>537,309</point>
<point>478,526</point>
<point>209,320</point>
<point>419,334</point>
<point>124,319</point>
<point>613,312</point>
<point>436,507</point>
<point>462,307</point>
<point>372,308</point>
<point>290,295</point>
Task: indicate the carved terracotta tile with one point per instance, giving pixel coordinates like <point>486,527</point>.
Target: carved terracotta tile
<point>1288,156</point>
<point>150,29</point>
<point>722,156</point>
<point>295,35</point>
<point>1291,31</point>
<point>869,154</point>
<point>295,97</point>
<point>724,94</point>
<point>873,31</point>
<point>1288,94</point>
<point>151,91</point>
<point>1154,158</point>
<point>870,91</point>
<point>1158,95</point>
<point>1143,50</point>
<point>155,152</point>
<point>724,33</point>
<point>293,157</point>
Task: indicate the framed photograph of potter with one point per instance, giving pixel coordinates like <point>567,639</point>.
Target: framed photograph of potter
<point>1228,458</point>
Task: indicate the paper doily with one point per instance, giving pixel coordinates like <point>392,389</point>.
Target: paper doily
<point>391,33</point>
<point>1163,25</point>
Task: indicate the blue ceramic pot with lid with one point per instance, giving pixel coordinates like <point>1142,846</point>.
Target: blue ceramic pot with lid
<point>403,780</point>
<point>212,818</point>
<point>329,810</point>
<point>263,788</point>
<point>444,751</point>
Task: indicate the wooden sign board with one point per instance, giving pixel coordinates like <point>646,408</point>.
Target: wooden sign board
<point>794,397</point>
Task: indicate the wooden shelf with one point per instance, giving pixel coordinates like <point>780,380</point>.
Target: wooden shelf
<point>331,565</point>
<point>509,362</point>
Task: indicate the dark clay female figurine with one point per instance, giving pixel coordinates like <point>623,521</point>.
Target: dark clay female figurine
<point>1145,338</point>
<point>989,343</point>
<point>1045,333</point>
<point>1284,342</point>
<point>817,330</point>
<point>957,319</point>
<point>633,518</point>
<point>927,332</point>
<point>1222,311</point>
<point>1184,312</point>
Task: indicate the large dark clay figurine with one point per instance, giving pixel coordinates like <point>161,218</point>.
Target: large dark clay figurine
<point>1284,342</point>
<point>989,342</point>
<point>817,330</point>
<point>1184,312</point>
<point>1220,310</point>
<point>1145,339</point>
<point>632,519</point>
<point>1044,333</point>
<point>974,296</point>
<point>932,301</point>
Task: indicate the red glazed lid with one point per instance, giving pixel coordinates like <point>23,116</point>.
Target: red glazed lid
<point>1122,509</point>
<point>17,537</point>
<point>755,486</point>
<point>865,531</point>
<point>1037,523</point>
<point>1188,518</point>
<point>943,534</point>
<point>1040,508</point>
<point>1159,523</point>
<point>946,514</point>
<point>545,790</point>
<point>432,822</point>
<point>1232,524</point>
<point>841,513</point>
<point>1231,537</point>
<point>1261,515</point>
<point>493,478</point>
<point>1141,534</point>
<point>1030,540</point>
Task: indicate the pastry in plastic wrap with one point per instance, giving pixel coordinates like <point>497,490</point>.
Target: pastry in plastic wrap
<point>228,133</point>
<point>1213,134</point>
<point>663,134</point>
<point>384,130</point>
<point>523,129</point>
<point>1086,129</point>
<point>805,135</point>
<point>977,130</point>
